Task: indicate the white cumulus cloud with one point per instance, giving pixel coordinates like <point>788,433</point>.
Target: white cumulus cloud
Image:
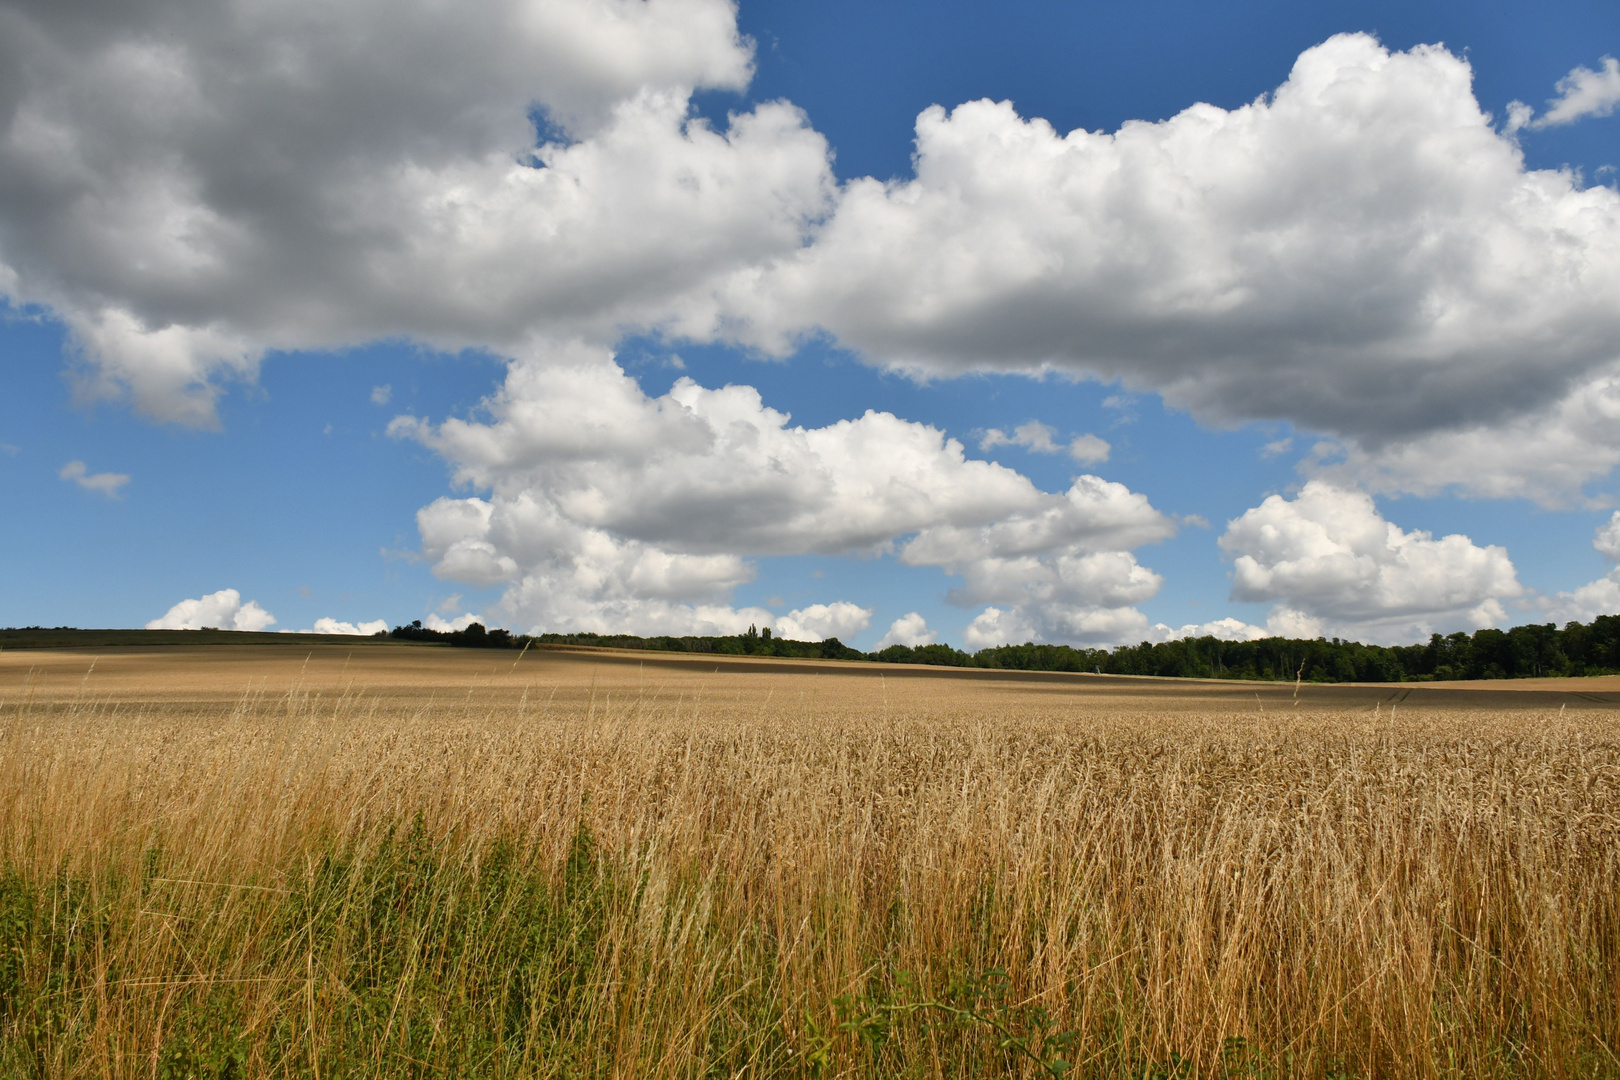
<point>1227,629</point>
<point>1581,93</point>
<point>607,509</point>
<point>1600,597</point>
<point>818,622</point>
<point>223,610</point>
<point>1063,571</point>
<point>1546,455</point>
<point>446,626</point>
<point>910,630</point>
<point>327,625</point>
<point>187,185</point>
<point>1360,253</point>
<point>1089,449</point>
<point>1333,564</point>
<point>994,626</point>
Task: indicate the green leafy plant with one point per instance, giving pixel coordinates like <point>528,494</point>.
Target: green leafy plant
<point>1018,1030</point>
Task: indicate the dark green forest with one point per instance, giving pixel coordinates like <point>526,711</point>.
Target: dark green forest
<point>1522,652</point>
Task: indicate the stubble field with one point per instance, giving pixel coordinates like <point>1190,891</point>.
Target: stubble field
<point>383,860</point>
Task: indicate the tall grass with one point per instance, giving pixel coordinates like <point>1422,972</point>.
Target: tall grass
<point>352,886</point>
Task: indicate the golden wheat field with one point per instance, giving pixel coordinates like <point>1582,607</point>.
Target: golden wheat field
<point>389,861</point>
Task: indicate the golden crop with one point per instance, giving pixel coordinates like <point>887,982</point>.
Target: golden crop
<point>425,864</point>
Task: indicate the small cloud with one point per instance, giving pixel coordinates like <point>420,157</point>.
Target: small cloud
<point>332,626</point>
<point>1581,93</point>
<point>1519,116</point>
<point>675,362</point>
<point>8,450</point>
<point>103,483</point>
<point>1584,92</point>
<point>223,610</point>
<point>1323,456</point>
<point>327,430</point>
<point>449,604</point>
<point>1089,449</point>
<point>1197,521</point>
<point>1123,404</point>
<point>1607,537</point>
<point>445,626</point>
<point>1033,436</point>
<point>303,590</point>
<point>382,395</point>
<point>1277,448</point>
<point>821,621</point>
<point>910,630</point>
<point>1227,629</point>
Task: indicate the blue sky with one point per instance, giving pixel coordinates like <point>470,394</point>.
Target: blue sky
<point>1352,346</point>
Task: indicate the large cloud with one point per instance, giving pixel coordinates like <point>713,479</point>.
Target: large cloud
<point>1064,568</point>
<point>188,184</point>
<point>609,509</point>
<point>910,630</point>
<point>1547,454</point>
<point>820,621</point>
<point>1333,564</point>
<point>1361,253</point>
<point>223,610</point>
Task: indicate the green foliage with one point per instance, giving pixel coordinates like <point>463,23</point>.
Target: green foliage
<point>412,962</point>
<point>1522,652</point>
<point>1012,1034</point>
<point>1530,651</point>
<point>68,637</point>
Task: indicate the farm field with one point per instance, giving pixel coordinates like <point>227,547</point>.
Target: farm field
<point>390,860</point>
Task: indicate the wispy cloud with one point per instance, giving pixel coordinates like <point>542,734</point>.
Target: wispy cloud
<point>1123,406</point>
<point>1039,438</point>
<point>106,483</point>
<point>1277,448</point>
<point>1033,436</point>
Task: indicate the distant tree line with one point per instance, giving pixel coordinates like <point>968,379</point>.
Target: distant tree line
<point>754,642</point>
<point>1522,652</point>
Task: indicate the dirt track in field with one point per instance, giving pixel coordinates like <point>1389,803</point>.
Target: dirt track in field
<point>412,674</point>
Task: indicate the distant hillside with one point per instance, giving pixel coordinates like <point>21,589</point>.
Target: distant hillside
<point>1534,650</point>
<point>1531,651</point>
<point>67,637</point>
